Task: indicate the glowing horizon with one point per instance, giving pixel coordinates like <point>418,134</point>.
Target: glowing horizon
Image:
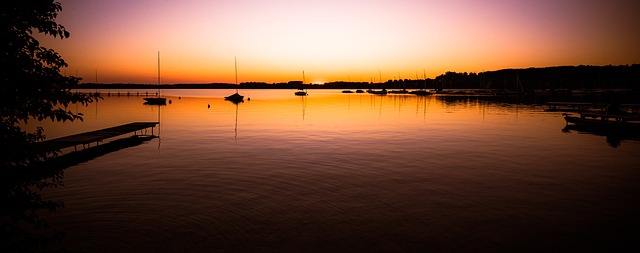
<point>347,40</point>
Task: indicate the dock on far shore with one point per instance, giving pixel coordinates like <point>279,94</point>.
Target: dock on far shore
<point>85,139</point>
<point>578,106</point>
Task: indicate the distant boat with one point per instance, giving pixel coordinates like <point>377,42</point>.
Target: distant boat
<point>347,91</point>
<point>423,91</point>
<point>605,121</point>
<point>403,91</point>
<point>420,92</point>
<point>379,92</point>
<point>301,91</point>
<point>157,100</point>
<point>236,97</point>
<point>507,92</point>
<point>359,91</point>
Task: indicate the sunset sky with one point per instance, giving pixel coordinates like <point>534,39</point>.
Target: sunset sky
<point>332,40</point>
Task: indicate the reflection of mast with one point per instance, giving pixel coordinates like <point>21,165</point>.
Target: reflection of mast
<point>380,113</point>
<point>159,124</point>
<point>235,137</point>
<point>304,107</point>
<point>424,106</point>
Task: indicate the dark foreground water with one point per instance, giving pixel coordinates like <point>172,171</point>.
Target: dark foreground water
<point>336,172</point>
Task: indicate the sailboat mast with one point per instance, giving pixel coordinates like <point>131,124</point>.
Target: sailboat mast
<point>235,63</point>
<point>158,94</point>
<point>424,74</point>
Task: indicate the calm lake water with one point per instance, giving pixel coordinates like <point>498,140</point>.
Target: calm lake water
<point>334,172</point>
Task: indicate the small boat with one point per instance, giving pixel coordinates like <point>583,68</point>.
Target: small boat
<point>236,97</point>
<point>403,91</point>
<point>347,91</point>
<point>379,92</point>
<point>359,91</point>
<point>301,91</point>
<point>605,121</point>
<point>423,91</point>
<point>420,92</point>
<point>157,100</point>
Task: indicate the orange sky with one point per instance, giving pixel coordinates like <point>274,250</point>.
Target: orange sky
<point>332,40</point>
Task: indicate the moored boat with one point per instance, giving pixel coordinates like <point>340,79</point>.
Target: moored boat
<point>300,92</point>
<point>236,97</point>
<point>403,91</point>
<point>605,121</point>
<point>155,101</point>
<point>379,92</point>
<point>420,92</point>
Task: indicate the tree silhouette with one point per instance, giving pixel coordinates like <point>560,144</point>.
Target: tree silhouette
<point>31,88</point>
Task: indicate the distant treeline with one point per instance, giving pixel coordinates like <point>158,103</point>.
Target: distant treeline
<point>552,78</point>
<point>563,77</point>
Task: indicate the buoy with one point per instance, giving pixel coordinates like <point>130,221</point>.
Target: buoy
<point>248,99</point>
<point>208,106</point>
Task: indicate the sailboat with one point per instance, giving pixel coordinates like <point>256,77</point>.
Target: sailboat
<point>423,91</point>
<point>301,91</point>
<point>157,100</point>
<point>236,97</point>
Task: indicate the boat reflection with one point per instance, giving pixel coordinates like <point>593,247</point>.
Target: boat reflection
<point>613,138</point>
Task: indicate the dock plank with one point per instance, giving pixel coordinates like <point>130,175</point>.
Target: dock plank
<point>96,136</point>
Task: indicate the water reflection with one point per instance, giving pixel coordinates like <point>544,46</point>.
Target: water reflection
<point>21,225</point>
<point>304,106</point>
<point>613,138</point>
<point>333,172</point>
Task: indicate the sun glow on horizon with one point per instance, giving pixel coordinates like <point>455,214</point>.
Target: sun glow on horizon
<point>334,40</point>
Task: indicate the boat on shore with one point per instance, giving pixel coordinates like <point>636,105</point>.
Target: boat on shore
<point>605,121</point>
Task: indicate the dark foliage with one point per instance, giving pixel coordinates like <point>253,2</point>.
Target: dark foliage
<point>31,88</point>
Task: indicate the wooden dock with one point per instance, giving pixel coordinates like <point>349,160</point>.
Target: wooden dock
<point>574,106</point>
<point>577,106</point>
<point>99,135</point>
